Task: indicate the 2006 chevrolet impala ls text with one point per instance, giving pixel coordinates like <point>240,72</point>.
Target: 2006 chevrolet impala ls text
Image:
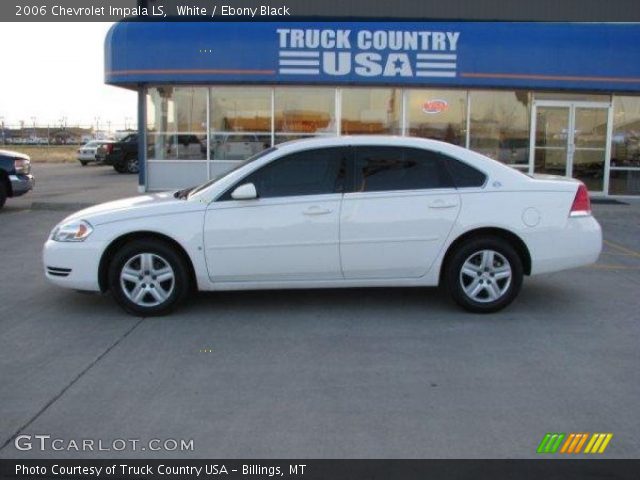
<point>333,212</point>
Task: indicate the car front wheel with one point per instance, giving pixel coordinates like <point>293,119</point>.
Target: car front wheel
<point>484,275</point>
<point>148,278</point>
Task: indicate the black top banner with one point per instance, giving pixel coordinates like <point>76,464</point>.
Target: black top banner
<point>199,10</point>
<point>320,469</point>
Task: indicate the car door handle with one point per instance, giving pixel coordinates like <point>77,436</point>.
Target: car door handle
<point>442,204</point>
<point>315,210</point>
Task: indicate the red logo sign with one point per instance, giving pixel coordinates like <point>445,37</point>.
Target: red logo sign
<point>435,106</point>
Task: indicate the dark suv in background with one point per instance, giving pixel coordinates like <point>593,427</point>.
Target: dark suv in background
<point>15,175</point>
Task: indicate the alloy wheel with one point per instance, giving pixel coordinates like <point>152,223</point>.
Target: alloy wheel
<point>485,276</point>
<point>147,279</point>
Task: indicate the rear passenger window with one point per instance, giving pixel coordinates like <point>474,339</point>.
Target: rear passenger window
<point>394,168</point>
<point>464,175</point>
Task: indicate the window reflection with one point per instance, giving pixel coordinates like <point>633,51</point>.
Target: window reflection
<point>177,109</point>
<point>499,125</point>
<point>438,114</point>
<point>371,111</point>
<point>305,110</point>
<point>176,146</point>
<point>240,109</point>
<point>625,145</point>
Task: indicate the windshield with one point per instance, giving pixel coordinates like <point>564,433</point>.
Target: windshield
<point>192,191</point>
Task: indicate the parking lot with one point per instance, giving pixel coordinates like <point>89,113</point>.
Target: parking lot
<point>364,373</point>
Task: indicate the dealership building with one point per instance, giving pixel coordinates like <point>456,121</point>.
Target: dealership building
<point>557,98</point>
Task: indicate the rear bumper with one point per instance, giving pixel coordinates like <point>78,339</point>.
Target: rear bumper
<point>577,245</point>
<point>21,184</point>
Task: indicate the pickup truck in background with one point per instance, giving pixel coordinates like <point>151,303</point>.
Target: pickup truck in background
<point>122,155</point>
<point>15,175</point>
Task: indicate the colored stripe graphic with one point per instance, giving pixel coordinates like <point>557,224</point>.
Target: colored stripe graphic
<point>574,442</point>
<point>550,443</point>
<point>598,443</point>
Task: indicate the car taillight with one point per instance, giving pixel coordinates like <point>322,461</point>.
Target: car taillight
<point>108,148</point>
<point>22,165</point>
<point>581,203</point>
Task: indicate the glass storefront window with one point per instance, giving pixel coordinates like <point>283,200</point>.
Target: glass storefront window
<point>305,111</point>
<point>240,122</point>
<point>240,109</point>
<point>191,109</point>
<point>437,114</point>
<point>176,123</point>
<point>371,111</point>
<point>162,146</point>
<point>499,125</point>
<point>624,182</point>
<point>624,177</point>
<point>625,143</point>
<point>177,109</point>
<point>237,146</point>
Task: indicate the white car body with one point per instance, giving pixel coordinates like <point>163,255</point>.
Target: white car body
<point>393,238</point>
<point>87,152</point>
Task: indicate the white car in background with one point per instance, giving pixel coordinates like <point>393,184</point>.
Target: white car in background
<point>237,146</point>
<point>87,152</point>
<point>369,211</point>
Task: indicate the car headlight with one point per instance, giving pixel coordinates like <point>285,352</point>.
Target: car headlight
<point>75,231</point>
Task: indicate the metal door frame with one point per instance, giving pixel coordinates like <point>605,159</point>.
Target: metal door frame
<point>571,106</point>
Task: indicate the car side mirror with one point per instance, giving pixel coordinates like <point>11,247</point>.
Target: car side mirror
<point>246,191</point>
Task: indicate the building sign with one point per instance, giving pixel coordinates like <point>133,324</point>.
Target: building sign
<point>367,53</point>
<point>435,106</point>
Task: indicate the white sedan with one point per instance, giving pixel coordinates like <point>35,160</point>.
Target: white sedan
<point>87,152</point>
<point>370,211</point>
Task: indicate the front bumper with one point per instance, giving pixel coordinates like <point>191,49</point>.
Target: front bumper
<point>21,184</point>
<point>72,264</point>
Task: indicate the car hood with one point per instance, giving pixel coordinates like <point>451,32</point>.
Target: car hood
<point>142,206</point>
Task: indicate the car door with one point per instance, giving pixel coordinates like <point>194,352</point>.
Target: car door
<point>290,232</point>
<point>399,215</point>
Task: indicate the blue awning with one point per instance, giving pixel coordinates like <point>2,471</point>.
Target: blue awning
<point>571,56</point>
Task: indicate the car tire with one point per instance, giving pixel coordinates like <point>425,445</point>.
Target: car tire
<point>131,164</point>
<point>484,275</point>
<point>118,167</point>
<point>3,192</point>
<point>148,277</point>
<point>83,163</point>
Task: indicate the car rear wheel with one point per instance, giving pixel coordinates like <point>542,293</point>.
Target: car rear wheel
<point>83,163</point>
<point>484,275</point>
<point>120,168</point>
<point>131,164</point>
<point>148,278</point>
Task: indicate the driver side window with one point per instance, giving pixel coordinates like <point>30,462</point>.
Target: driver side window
<point>311,172</point>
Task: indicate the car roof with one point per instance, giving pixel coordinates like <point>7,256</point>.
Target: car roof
<point>449,149</point>
<point>343,140</point>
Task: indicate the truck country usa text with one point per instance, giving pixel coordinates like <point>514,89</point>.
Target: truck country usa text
<point>367,53</point>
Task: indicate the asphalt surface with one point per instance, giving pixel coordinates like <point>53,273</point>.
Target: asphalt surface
<point>364,373</point>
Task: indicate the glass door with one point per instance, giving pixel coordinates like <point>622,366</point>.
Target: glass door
<point>570,139</point>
